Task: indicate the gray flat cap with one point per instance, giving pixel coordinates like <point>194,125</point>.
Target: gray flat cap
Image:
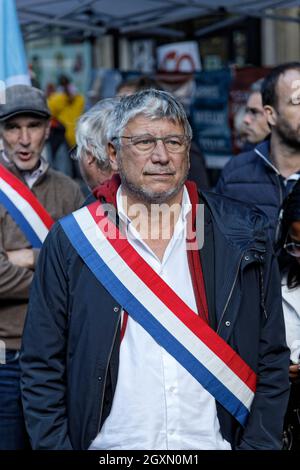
<point>21,99</point>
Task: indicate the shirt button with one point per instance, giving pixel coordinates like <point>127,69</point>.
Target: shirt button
<point>116,309</point>
<point>247,257</point>
<point>171,389</point>
<point>227,323</point>
<point>99,378</point>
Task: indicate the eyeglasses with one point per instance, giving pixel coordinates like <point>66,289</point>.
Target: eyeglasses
<point>292,248</point>
<point>145,144</point>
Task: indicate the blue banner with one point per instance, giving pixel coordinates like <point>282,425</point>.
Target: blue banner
<point>13,64</point>
<point>209,112</point>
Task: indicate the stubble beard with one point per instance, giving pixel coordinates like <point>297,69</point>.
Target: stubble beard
<point>147,196</point>
<point>288,136</point>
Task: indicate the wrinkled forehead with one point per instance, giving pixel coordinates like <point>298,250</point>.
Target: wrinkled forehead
<point>145,121</point>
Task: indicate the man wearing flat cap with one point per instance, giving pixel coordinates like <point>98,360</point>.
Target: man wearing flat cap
<point>32,197</point>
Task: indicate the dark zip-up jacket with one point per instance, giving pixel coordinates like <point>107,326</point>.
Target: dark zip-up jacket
<point>71,341</point>
<point>252,177</point>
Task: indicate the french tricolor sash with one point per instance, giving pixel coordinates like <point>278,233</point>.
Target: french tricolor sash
<point>24,208</point>
<point>159,310</point>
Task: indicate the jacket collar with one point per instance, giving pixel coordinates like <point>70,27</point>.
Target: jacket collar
<point>242,228</point>
<point>263,151</point>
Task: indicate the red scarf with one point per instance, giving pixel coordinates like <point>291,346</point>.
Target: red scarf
<point>108,191</point>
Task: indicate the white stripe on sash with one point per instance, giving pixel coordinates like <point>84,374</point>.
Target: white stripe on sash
<point>25,208</point>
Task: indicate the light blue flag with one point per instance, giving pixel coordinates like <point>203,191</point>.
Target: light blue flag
<point>13,64</point>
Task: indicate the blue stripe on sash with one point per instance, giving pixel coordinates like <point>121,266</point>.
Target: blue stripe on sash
<point>140,314</point>
<point>20,221</point>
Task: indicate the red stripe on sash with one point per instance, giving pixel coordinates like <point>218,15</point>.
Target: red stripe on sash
<point>161,289</point>
<point>26,194</point>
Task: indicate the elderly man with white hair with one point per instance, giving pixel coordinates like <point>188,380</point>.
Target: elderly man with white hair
<point>91,143</point>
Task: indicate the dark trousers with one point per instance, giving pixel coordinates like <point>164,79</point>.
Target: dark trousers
<point>12,428</point>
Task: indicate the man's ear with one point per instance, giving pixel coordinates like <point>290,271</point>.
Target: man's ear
<point>89,158</point>
<point>112,155</point>
<point>271,115</point>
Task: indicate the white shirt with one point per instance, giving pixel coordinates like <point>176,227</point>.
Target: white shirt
<point>157,403</point>
<point>291,311</point>
<point>32,176</point>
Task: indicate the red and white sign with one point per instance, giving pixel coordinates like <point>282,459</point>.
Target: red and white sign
<point>179,57</point>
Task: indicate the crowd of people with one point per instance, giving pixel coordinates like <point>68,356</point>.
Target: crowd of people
<point>142,287</point>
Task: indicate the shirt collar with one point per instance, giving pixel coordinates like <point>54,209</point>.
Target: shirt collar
<point>186,206</point>
<point>32,176</point>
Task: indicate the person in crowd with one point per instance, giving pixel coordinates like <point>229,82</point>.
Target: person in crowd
<point>32,197</point>
<point>255,126</point>
<point>91,149</point>
<point>50,89</point>
<point>56,150</point>
<point>125,308</point>
<point>66,105</point>
<point>132,85</point>
<point>197,171</point>
<point>266,175</point>
<point>289,261</point>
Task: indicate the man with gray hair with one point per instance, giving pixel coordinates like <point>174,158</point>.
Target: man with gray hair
<point>135,337</point>
<point>91,143</point>
<point>32,197</point>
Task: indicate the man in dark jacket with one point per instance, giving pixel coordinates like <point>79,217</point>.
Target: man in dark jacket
<point>134,338</point>
<point>266,175</point>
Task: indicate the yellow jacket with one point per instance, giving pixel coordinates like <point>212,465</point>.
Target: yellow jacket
<point>67,111</point>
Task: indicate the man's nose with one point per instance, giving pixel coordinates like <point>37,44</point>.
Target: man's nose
<point>247,119</point>
<point>160,153</point>
<point>24,137</point>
